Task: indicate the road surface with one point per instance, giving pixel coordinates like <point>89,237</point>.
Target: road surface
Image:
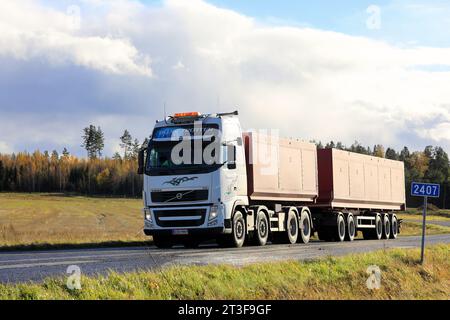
<point>18,267</point>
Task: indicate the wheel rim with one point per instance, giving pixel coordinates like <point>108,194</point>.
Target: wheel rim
<point>292,227</point>
<point>263,228</point>
<point>341,228</point>
<point>394,227</point>
<point>387,228</point>
<point>305,227</point>
<point>379,227</point>
<point>239,229</point>
<point>351,228</point>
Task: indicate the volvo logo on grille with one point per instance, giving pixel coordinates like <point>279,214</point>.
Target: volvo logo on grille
<point>179,196</point>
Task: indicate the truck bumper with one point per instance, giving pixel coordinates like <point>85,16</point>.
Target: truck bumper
<point>205,232</point>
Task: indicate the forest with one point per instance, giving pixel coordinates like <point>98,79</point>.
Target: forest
<point>97,175</point>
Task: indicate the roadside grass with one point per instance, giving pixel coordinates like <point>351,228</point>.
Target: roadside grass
<point>438,214</point>
<point>44,220</point>
<point>415,229</point>
<point>402,277</point>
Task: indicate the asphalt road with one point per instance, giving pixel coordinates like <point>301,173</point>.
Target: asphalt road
<point>18,267</point>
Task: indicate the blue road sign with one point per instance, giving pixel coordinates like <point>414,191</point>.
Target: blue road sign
<point>430,190</point>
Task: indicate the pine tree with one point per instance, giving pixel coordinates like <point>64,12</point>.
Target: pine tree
<point>65,153</point>
<point>126,144</point>
<point>99,141</point>
<point>89,141</point>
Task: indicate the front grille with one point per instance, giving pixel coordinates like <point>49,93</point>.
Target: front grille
<point>191,218</point>
<point>179,196</point>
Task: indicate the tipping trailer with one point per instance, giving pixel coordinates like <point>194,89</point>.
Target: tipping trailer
<point>206,179</point>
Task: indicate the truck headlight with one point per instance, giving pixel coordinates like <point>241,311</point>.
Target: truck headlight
<point>147,214</point>
<point>213,213</point>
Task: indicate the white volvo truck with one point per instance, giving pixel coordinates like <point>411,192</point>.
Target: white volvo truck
<point>204,178</point>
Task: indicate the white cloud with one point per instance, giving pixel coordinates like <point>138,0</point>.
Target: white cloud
<point>309,83</point>
<point>5,148</point>
<point>32,31</point>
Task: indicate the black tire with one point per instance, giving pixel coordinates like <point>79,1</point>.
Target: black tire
<point>377,232</point>
<point>162,242</point>
<point>262,229</point>
<point>379,227</point>
<point>340,228</point>
<point>386,227</point>
<point>291,234</point>
<point>351,228</point>
<point>239,230</point>
<point>305,228</point>
<point>394,227</point>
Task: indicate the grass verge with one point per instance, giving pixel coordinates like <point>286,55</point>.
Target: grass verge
<point>46,221</point>
<point>332,278</point>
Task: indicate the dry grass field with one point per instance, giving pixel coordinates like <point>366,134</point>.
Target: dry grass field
<point>40,219</point>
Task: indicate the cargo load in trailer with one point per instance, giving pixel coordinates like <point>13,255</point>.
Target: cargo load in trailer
<point>206,179</point>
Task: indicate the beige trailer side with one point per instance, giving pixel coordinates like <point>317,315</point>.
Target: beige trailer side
<point>354,181</point>
<point>279,169</point>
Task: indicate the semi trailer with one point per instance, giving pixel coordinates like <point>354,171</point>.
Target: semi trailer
<point>204,179</point>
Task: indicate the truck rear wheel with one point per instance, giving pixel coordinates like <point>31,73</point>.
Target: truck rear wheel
<point>262,229</point>
<point>305,228</point>
<point>394,227</point>
<point>291,234</point>
<point>340,229</point>
<point>386,227</point>
<point>377,232</point>
<point>351,228</point>
<point>162,242</point>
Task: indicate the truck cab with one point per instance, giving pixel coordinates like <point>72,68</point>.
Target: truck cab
<point>194,176</point>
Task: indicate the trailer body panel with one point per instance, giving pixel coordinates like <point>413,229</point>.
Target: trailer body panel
<point>281,169</point>
<point>354,181</point>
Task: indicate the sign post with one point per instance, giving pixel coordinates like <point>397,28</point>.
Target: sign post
<point>425,190</point>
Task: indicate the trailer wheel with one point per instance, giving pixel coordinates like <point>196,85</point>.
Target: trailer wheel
<point>351,228</point>
<point>162,242</point>
<point>394,227</point>
<point>305,228</point>
<point>386,227</point>
<point>377,232</point>
<point>262,229</point>
<point>292,227</point>
<point>340,229</point>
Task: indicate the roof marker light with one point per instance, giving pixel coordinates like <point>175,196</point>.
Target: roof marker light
<point>187,115</point>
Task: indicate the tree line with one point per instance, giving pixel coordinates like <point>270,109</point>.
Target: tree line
<point>117,176</point>
<point>64,173</point>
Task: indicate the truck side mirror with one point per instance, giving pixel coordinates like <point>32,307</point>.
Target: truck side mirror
<point>141,161</point>
<point>231,155</point>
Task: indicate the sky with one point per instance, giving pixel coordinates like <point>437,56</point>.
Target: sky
<point>371,71</point>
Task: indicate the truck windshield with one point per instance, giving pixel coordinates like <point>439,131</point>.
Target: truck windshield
<point>160,162</point>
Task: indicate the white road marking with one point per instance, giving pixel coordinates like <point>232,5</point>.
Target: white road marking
<point>93,256</point>
<point>45,264</point>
